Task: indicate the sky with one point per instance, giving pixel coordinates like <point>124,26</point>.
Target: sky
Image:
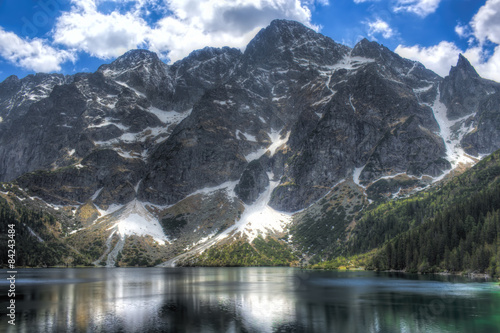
<point>70,36</point>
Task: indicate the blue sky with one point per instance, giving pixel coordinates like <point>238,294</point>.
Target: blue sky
<point>70,36</point>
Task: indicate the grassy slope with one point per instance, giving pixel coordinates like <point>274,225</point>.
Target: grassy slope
<point>452,227</point>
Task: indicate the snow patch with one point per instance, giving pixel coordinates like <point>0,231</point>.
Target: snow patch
<point>276,142</point>
<point>228,186</point>
<point>355,176</point>
<point>390,176</point>
<point>169,117</point>
<point>123,84</point>
<point>34,234</point>
<point>135,219</point>
<point>324,100</point>
<point>96,194</point>
<point>258,218</point>
<point>352,105</point>
<point>109,121</point>
<point>136,187</point>
<point>223,103</point>
<point>113,255</point>
<point>248,137</point>
<point>424,89</point>
<point>256,154</point>
<point>454,151</point>
<point>111,209</point>
<point>350,63</point>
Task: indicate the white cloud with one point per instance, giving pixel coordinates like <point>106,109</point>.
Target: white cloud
<point>484,28</point>
<point>34,54</point>
<point>486,23</point>
<point>438,58</point>
<point>380,27</point>
<point>462,31</point>
<point>191,24</point>
<point>419,7</point>
<point>103,36</point>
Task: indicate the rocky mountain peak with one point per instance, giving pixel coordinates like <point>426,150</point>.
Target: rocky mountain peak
<point>230,137</point>
<point>9,85</point>
<point>208,53</point>
<point>133,59</point>
<point>373,50</point>
<point>463,70</point>
<point>286,41</point>
<point>463,89</point>
<point>11,79</point>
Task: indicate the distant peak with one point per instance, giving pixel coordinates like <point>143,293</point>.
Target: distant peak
<point>209,52</point>
<point>462,60</point>
<point>464,67</point>
<point>137,56</point>
<point>283,22</point>
<point>281,26</point>
<point>366,48</point>
<point>132,58</point>
<point>12,78</point>
<point>283,32</point>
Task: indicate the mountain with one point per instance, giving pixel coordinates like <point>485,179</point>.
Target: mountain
<point>453,227</point>
<point>152,163</point>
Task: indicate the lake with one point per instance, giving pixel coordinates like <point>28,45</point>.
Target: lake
<point>255,299</point>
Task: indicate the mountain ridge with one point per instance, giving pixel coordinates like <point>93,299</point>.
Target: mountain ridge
<point>292,118</point>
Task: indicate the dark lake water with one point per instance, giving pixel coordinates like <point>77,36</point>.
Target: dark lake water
<point>247,300</point>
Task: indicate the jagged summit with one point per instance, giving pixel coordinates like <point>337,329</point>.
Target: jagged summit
<point>284,41</point>
<point>463,70</point>
<point>132,59</point>
<point>208,53</point>
<point>137,56</point>
<point>220,137</point>
<point>463,89</point>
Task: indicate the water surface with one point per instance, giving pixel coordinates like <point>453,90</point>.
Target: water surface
<point>248,300</point>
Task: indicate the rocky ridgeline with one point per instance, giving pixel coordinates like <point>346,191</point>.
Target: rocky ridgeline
<point>295,109</point>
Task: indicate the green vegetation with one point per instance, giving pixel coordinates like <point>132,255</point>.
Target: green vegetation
<point>322,235</point>
<point>464,237</point>
<point>134,254</point>
<point>173,225</point>
<point>353,262</point>
<point>45,250</point>
<point>261,252</point>
<point>454,227</point>
<point>321,231</point>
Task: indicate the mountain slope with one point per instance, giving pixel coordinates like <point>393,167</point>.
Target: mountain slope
<point>225,146</point>
<point>455,227</point>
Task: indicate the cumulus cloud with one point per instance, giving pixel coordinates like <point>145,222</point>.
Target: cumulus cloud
<point>189,25</point>
<point>486,23</point>
<point>105,36</point>
<point>462,31</point>
<point>380,27</point>
<point>438,58</point>
<point>484,28</point>
<point>33,54</point>
<point>420,7</point>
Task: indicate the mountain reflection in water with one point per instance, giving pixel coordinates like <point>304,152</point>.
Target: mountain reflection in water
<point>249,300</point>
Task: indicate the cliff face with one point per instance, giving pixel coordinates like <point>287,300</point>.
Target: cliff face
<point>279,126</point>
